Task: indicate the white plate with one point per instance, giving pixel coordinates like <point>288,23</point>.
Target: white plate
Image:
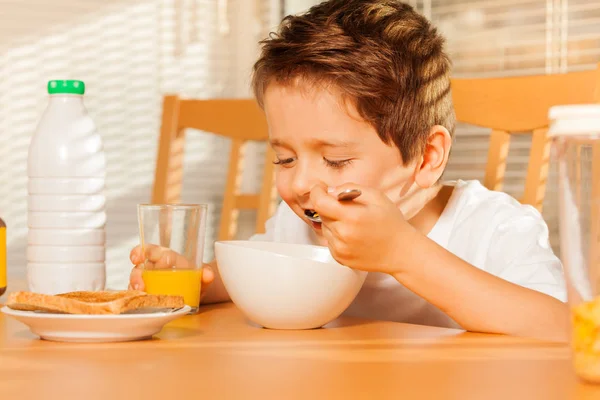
<point>85,328</point>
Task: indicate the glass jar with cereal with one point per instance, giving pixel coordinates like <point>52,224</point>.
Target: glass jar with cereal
<point>575,133</point>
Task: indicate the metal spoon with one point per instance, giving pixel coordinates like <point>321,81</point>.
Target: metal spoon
<point>346,195</point>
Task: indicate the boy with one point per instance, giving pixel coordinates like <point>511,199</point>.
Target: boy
<point>357,96</point>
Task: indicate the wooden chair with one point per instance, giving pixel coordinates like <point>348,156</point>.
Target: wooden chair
<point>239,120</point>
<point>513,105</point>
<point>519,105</point>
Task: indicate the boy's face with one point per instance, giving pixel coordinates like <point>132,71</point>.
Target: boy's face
<point>319,140</point>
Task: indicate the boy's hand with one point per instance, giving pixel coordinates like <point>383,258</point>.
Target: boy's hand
<point>161,257</point>
<point>368,233</point>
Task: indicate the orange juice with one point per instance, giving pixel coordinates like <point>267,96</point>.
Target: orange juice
<point>181,282</point>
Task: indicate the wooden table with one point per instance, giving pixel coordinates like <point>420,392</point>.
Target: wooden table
<point>217,354</point>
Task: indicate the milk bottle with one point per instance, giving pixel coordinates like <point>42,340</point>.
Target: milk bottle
<point>66,202</point>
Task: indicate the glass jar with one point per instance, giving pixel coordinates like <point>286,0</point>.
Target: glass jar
<point>575,135</point>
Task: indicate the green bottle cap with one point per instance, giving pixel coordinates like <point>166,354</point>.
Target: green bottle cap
<point>66,86</point>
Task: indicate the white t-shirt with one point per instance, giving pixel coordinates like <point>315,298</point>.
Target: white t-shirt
<point>490,230</point>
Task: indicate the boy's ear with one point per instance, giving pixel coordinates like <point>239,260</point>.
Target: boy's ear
<point>434,158</point>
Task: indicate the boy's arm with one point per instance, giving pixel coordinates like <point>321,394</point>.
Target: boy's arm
<point>372,234</point>
<point>475,299</point>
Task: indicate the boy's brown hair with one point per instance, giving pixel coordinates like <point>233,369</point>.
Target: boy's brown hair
<point>380,54</point>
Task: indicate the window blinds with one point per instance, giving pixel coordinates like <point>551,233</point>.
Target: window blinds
<point>130,54</point>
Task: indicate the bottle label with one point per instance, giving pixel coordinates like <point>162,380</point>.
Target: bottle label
<point>2,257</point>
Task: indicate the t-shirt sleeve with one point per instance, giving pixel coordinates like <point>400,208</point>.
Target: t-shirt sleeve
<point>520,253</point>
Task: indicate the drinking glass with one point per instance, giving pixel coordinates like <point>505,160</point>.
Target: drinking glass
<point>172,240</point>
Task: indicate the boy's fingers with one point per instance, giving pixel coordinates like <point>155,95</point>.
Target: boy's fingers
<point>163,257</point>
<point>155,253</point>
<point>136,255</point>
<point>135,278</point>
<point>367,195</point>
<point>208,275</point>
<point>325,204</point>
<point>170,258</point>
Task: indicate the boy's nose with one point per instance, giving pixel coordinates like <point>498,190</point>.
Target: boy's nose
<point>304,180</point>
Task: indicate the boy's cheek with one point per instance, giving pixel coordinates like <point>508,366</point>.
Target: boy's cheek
<point>283,189</point>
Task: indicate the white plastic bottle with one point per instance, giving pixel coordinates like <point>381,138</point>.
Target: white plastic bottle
<point>66,202</point>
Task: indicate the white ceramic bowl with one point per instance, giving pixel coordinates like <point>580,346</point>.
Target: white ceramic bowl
<point>286,286</point>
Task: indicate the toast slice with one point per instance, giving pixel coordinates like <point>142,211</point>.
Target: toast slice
<point>88,302</point>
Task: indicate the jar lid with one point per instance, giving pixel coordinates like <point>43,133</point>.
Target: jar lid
<point>575,120</point>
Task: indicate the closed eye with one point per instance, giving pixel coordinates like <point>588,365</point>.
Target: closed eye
<point>284,161</point>
<point>337,164</point>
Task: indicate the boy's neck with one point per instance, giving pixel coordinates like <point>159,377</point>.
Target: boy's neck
<point>427,217</point>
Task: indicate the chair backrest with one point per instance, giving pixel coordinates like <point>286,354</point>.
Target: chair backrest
<point>519,105</point>
<point>240,120</point>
